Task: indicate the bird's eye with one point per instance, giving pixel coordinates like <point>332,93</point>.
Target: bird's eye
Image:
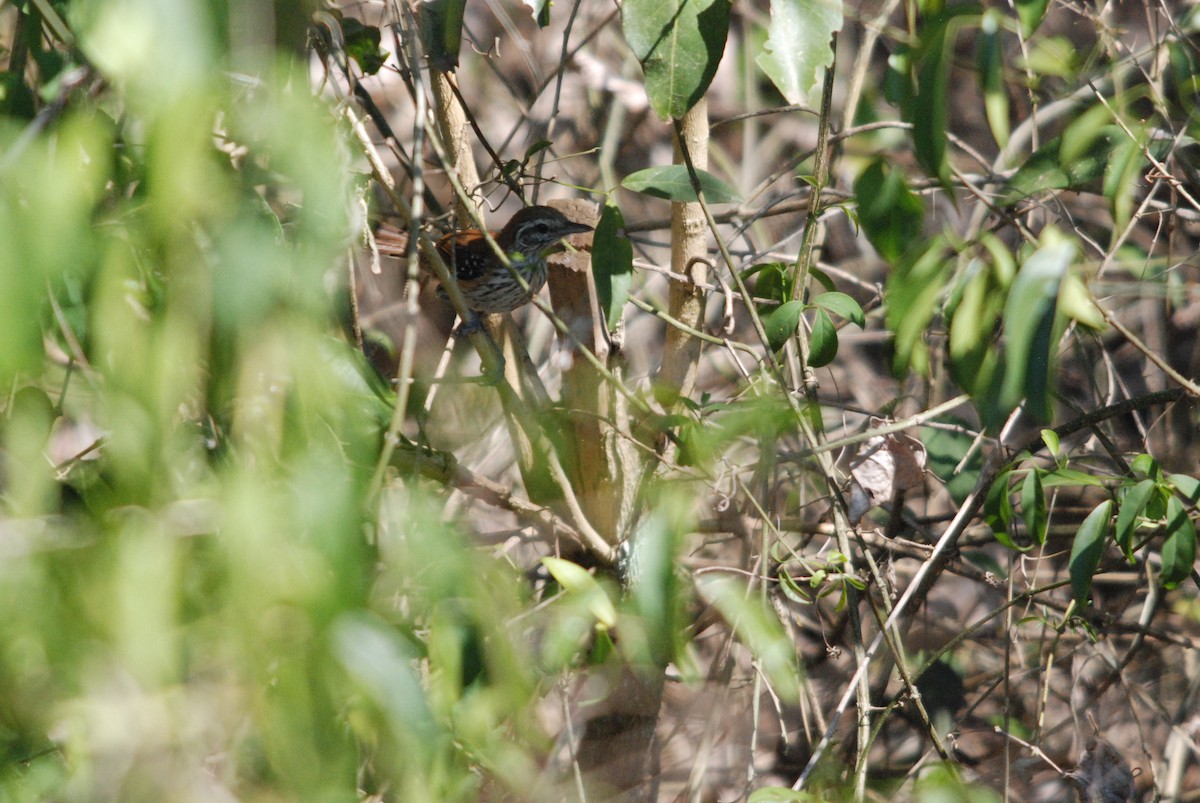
<point>543,227</point>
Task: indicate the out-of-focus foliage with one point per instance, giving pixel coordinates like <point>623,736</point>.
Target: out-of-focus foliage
<point>226,573</point>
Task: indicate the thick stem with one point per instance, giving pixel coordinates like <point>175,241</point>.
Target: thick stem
<point>689,245</point>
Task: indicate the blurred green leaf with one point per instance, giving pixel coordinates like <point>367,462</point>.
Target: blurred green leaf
<point>1030,325</point>
<point>1068,476</point>
<point>989,63</point>
<point>1031,13</point>
<point>925,99</point>
<point>1147,466</point>
<point>1122,175</point>
<point>1075,302</point>
<point>612,264</point>
<point>998,511</point>
<point>891,215</point>
<point>757,626</point>
<point>1052,56</point>
<point>783,794</point>
<point>576,580</point>
<point>441,23</point>
<point>655,584</point>
<point>674,183</point>
<point>912,294</point>
<point>679,44</point>
<point>798,47</point>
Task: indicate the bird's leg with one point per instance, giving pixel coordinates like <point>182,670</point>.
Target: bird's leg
<point>469,326</point>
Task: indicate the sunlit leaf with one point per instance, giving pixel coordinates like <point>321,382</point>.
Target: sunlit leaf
<point>798,46</point>
<point>843,305</point>
<point>577,580</point>
<point>1075,302</point>
<point>673,183</point>
<point>679,44</point>
<point>1188,487</point>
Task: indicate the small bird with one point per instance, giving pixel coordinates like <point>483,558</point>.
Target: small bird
<point>529,237</point>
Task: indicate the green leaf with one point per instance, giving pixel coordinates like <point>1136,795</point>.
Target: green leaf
<point>1029,326</point>
<point>975,361</point>
<point>1052,56</point>
<point>1122,175</point>
<point>1133,503</point>
<point>912,294</point>
<point>774,281</point>
<point>576,580</point>
<point>534,149</point>
<point>926,103</point>
<point>758,627</point>
<point>655,585</point>
<point>890,213</point>
<point>381,663</point>
<point>842,305</point>
<point>781,323</point>
<point>1033,506</point>
<point>823,342</point>
<point>441,24</point>
<point>1146,466</point>
<point>989,63</point>
<point>1050,438</point>
<point>1188,487</point>
<point>672,182</point>
<point>1069,476</point>
<point>679,44</point>
<point>1087,551</point>
<point>362,45</point>
<point>612,264</point>
<point>1075,302</point>
<point>1031,13</point>
<point>998,512</point>
<point>1179,549</point>
<point>798,47</point>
